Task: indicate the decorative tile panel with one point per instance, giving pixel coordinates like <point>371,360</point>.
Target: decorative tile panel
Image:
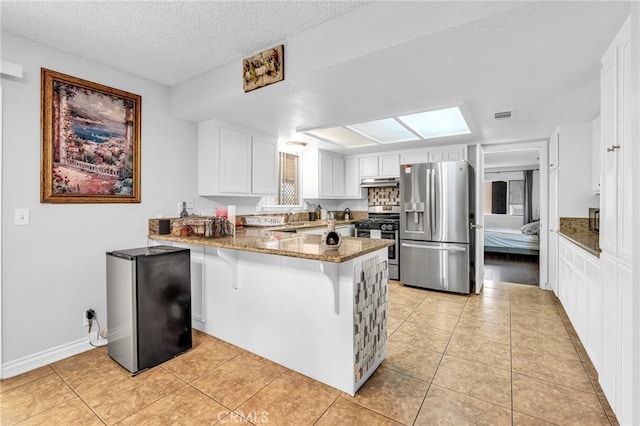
<point>385,196</point>
<point>370,313</point>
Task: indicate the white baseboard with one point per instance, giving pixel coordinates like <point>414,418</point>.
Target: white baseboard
<point>46,357</point>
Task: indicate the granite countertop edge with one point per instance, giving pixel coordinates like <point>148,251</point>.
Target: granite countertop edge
<point>585,244</point>
<point>333,256</point>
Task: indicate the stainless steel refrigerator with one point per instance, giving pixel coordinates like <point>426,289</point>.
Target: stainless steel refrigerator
<point>436,221</point>
<point>148,305</point>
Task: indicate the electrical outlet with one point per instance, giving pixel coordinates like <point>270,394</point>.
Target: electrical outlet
<point>190,204</point>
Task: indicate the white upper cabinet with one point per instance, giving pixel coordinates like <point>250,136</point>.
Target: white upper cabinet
<point>615,114</point>
<point>389,165</point>
<point>454,153</point>
<point>554,150</point>
<point>435,154</point>
<point>264,160</point>
<point>235,175</point>
<point>338,176</point>
<point>323,174</point>
<point>383,165</point>
<point>597,156</point>
<point>352,178</point>
<point>235,161</point>
<point>369,166</point>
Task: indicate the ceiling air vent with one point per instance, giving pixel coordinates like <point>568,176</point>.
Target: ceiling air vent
<point>503,114</point>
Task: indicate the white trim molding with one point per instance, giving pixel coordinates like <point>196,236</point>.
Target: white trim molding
<point>49,356</point>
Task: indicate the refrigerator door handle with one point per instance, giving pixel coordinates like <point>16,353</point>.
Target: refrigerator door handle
<point>409,245</point>
<point>427,210</point>
<point>434,199</point>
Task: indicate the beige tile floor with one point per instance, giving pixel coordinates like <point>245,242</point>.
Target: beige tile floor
<point>507,356</point>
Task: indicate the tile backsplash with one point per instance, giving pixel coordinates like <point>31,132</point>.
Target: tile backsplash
<point>385,196</point>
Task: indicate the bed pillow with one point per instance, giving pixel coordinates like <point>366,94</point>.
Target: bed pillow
<point>531,228</point>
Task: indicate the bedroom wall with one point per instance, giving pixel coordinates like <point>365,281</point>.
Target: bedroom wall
<point>500,175</point>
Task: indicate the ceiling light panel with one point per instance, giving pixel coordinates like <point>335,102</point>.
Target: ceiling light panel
<point>437,123</point>
<point>340,136</point>
<point>386,130</point>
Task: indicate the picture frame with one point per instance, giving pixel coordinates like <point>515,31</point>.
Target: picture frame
<point>90,141</point>
<point>262,69</point>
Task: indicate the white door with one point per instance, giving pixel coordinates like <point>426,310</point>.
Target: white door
<point>479,218</point>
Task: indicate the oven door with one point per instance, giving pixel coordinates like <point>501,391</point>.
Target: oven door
<point>393,251</point>
<point>385,235</point>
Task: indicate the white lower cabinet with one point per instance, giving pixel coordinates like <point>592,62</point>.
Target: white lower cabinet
<point>616,372</point>
<point>580,292</point>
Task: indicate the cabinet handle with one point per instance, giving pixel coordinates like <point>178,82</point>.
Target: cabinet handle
<point>613,148</point>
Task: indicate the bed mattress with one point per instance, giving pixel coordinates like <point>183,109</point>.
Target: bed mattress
<point>510,238</point>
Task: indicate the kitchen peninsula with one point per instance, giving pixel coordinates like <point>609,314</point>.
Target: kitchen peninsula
<point>283,296</point>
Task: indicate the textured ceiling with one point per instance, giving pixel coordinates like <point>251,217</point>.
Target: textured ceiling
<point>140,36</point>
<point>346,63</point>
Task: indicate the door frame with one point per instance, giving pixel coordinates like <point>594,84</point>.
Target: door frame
<point>543,166</point>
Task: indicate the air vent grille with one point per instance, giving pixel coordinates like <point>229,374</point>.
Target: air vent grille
<point>501,115</point>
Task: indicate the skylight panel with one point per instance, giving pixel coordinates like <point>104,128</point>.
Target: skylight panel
<point>437,123</point>
<point>340,136</point>
<point>386,130</point>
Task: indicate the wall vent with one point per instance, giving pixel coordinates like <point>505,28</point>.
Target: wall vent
<point>503,114</point>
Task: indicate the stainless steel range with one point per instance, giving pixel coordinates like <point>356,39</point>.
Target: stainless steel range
<point>383,223</point>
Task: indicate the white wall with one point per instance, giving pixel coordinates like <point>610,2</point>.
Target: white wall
<point>576,170</point>
<point>54,268</point>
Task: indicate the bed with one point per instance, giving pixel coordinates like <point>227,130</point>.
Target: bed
<point>506,234</point>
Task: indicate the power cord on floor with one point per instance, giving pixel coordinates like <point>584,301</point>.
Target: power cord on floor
<point>91,320</point>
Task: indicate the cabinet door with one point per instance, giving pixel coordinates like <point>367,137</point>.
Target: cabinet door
<point>264,161</point>
<point>450,154</point>
<point>414,157</point>
<point>624,154</point>
<point>235,162</point>
<point>369,167</point>
<point>596,148</point>
<point>352,178</point>
<point>607,375</point>
<point>554,150</point>
<point>337,176</point>
<point>389,165</point>
<point>325,168</point>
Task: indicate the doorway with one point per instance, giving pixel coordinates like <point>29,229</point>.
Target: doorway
<point>514,210</point>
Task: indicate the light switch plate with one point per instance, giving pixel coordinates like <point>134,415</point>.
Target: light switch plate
<point>21,217</point>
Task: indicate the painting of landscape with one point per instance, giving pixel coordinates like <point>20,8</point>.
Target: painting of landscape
<point>90,142</point>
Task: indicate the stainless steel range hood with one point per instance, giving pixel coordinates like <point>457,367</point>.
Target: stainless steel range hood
<point>379,182</point>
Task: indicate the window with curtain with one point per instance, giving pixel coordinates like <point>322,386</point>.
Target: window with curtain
<point>288,182</point>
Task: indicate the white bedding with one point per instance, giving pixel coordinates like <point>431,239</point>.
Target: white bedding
<point>510,238</point>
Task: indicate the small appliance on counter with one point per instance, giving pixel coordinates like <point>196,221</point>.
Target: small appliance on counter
<point>594,219</point>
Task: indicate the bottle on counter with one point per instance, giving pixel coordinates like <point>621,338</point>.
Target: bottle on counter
<point>184,212</point>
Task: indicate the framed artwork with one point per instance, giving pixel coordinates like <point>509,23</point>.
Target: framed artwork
<point>90,142</point>
<point>262,69</point>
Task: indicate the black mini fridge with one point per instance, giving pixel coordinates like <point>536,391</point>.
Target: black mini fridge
<point>148,305</point>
